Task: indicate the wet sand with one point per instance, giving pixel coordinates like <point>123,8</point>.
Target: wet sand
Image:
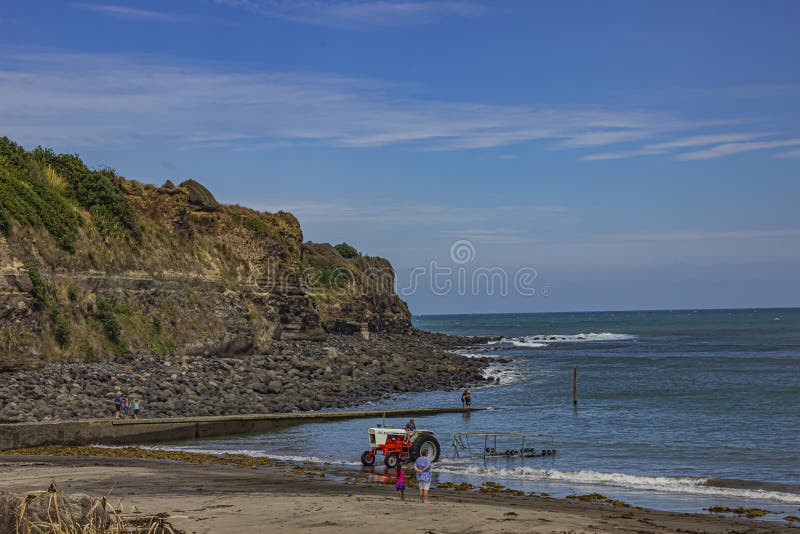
<point>214,499</point>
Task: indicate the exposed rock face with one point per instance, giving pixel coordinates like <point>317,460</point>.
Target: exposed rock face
<point>201,279</point>
<point>198,195</point>
<point>17,315</point>
<point>363,297</point>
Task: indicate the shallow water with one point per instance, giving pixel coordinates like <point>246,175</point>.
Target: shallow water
<point>678,410</point>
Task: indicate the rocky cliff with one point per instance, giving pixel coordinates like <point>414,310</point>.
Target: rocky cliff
<point>94,266</point>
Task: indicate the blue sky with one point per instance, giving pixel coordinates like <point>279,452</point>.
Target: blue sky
<point>632,154</point>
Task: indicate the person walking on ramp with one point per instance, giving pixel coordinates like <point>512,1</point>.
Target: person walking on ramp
<point>117,404</point>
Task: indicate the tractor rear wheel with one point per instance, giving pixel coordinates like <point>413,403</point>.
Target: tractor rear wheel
<point>368,458</point>
<point>426,441</point>
<point>391,460</point>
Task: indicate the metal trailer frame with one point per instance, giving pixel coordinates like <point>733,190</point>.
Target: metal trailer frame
<point>461,441</point>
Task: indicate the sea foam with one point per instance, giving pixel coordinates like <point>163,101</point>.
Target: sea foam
<point>688,485</point>
<point>542,340</point>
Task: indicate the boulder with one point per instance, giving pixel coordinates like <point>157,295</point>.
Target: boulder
<point>198,195</point>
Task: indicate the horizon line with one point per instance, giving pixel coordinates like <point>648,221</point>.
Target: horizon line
<point>753,308</point>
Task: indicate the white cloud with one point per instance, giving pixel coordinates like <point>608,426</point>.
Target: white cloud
<point>101,100</point>
<point>684,142</point>
<point>132,13</point>
<point>702,235</point>
<point>704,140</point>
<point>360,14</point>
<point>622,155</point>
<point>788,154</point>
<point>593,139</point>
<point>730,149</point>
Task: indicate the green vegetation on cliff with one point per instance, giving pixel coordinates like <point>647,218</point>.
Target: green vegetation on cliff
<point>42,189</point>
<point>27,197</point>
<point>97,265</point>
<point>38,288</point>
<point>347,251</point>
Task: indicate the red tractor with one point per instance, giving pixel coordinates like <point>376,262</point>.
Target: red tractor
<point>399,446</point>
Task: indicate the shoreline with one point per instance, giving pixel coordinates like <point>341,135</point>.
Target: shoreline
<point>216,498</point>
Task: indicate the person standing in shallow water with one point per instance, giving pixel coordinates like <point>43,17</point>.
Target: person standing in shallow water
<point>423,467</point>
<point>117,404</point>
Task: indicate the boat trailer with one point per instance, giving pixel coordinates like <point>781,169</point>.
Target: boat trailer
<point>468,444</point>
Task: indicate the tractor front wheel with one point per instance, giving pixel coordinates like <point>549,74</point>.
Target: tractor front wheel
<point>391,460</point>
<point>368,458</point>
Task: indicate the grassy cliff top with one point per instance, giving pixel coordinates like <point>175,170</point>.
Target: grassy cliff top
<point>57,211</point>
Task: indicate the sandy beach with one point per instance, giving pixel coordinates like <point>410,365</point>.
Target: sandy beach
<point>213,499</point>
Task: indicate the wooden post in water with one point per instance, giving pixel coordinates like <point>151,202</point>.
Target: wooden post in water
<point>575,386</point>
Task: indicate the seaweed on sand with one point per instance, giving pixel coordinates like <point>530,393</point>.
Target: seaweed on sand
<point>752,513</point>
<point>599,498</point>
<point>236,460</point>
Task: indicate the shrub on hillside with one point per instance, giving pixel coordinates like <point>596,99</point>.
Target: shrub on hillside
<point>347,251</point>
<point>261,228</point>
<point>87,351</point>
<point>26,196</point>
<point>38,287</point>
<point>96,191</point>
<point>334,276</point>
<point>104,312</point>
<point>61,328</point>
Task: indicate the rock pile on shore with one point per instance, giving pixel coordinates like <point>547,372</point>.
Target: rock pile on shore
<point>295,376</point>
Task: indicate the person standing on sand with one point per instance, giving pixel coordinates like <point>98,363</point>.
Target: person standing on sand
<point>423,467</point>
<point>400,486</point>
<point>136,408</point>
<point>117,404</point>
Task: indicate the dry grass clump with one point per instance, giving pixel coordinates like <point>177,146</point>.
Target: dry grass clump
<point>54,180</point>
<point>236,460</point>
<point>51,512</point>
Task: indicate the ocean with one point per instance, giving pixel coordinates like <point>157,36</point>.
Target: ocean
<point>677,410</point>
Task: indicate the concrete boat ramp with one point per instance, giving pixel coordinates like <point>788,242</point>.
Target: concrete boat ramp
<point>139,431</point>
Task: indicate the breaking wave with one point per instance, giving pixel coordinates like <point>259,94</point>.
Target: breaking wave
<point>503,373</point>
<point>698,486</point>
<point>542,340</point>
